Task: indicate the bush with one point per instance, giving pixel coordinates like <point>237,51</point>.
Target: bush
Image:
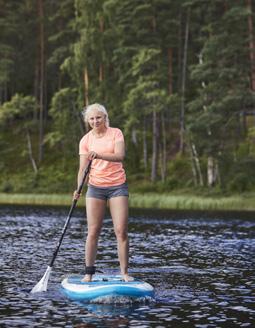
<point>180,173</point>
<point>241,182</point>
<point>241,177</point>
<point>52,179</point>
<point>6,186</point>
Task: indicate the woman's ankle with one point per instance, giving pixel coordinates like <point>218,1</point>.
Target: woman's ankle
<point>87,278</point>
<point>126,277</point>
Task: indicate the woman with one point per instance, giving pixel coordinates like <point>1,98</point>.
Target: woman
<point>105,147</point>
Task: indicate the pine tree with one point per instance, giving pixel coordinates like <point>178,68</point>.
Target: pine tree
<point>222,77</point>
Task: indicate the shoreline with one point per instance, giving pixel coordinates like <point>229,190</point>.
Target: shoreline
<point>146,201</point>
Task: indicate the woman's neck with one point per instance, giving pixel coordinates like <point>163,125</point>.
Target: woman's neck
<point>99,133</point>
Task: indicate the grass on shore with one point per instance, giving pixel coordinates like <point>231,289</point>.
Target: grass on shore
<point>147,200</point>
<point>37,199</point>
<point>189,202</point>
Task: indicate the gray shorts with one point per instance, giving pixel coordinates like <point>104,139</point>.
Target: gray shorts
<point>106,193</point>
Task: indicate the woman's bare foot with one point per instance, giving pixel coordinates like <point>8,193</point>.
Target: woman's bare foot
<point>87,278</point>
<point>127,278</point>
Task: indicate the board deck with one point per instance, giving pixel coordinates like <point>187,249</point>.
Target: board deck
<point>104,286</point>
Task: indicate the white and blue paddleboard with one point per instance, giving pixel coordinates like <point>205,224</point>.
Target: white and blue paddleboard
<point>105,286</point>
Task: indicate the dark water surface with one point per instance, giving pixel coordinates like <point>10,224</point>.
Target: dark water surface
<point>201,265</point>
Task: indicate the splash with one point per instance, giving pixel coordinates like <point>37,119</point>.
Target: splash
<point>117,299</point>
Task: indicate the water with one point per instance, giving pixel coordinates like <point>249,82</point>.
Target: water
<point>201,265</point>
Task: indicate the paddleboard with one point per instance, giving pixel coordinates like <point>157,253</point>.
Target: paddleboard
<point>104,286</point>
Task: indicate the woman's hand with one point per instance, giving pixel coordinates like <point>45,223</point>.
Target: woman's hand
<point>76,196</point>
<point>92,155</point>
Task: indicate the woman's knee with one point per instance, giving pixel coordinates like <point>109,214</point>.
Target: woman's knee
<point>93,232</point>
<point>121,234</point>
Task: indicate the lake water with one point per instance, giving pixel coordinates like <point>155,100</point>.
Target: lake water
<point>201,265</point>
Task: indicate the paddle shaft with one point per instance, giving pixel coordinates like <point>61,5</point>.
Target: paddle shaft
<point>69,215</point>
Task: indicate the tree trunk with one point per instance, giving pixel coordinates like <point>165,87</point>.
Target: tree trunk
<point>30,152</point>
<point>41,80</point>
<point>170,70</point>
<point>86,92</point>
<point>4,92</point>
<point>79,119</point>
<point>101,66</point>
<point>163,150</point>
<point>212,171</point>
<point>193,166</point>
<point>251,44</point>
<point>179,54</point>
<point>145,149</point>
<point>154,161</point>
<point>1,95</point>
<point>36,84</point>
<point>183,86</point>
<point>154,147</point>
<point>134,137</point>
<point>86,87</point>
<point>197,165</point>
<point>101,72</point>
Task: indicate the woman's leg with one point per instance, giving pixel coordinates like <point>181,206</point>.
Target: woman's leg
<point>95,209</point>
<point>119,212</point>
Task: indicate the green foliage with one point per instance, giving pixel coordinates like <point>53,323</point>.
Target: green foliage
<point>64,118</point>
<point>251,141</point>
<point>61,35</point>
<point>52,179</point>
<point>222,93</point>
<point>240,183</point>
<point>18,108</point>
<point>17,47</point>
<point>179,177</point>
<point>241,177</point>
<point>132,52</point>
<point>180,173</point>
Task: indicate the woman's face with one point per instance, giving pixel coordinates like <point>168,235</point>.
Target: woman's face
<point>96,119</point>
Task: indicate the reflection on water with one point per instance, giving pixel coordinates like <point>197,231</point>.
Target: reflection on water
<point>202,268</point>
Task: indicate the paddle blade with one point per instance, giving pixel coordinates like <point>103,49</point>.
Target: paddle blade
<point>41,286</point>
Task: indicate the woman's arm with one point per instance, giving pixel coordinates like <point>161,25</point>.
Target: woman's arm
<point>117,156</point>
<point>84,161</point>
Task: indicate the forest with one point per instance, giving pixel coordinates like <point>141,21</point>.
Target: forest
<point>178,77</point>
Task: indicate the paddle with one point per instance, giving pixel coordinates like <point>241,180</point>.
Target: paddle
<point>41,286</point>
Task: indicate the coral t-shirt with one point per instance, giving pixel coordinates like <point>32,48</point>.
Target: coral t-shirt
<point>104,173</point>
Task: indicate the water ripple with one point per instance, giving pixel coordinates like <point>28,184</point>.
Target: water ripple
<point>202,268</point>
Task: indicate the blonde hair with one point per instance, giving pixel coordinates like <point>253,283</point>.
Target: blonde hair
<point>100,108</point>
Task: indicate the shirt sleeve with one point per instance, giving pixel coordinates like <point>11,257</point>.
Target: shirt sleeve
<point>119,136</point>
<point>83,146</point>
